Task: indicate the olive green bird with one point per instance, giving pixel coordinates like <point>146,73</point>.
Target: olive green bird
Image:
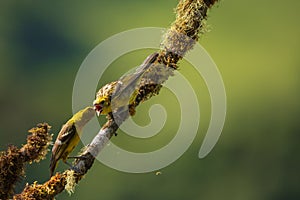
<point>69,136</point>
<point>123,92</point>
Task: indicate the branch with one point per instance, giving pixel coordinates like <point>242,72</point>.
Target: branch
<point>12,162</point>
<point>179,39</point>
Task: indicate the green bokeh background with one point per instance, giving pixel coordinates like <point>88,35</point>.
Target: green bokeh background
<point>256,46</point>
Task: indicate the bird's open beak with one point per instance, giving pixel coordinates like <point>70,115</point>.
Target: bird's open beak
<point>98,109</point>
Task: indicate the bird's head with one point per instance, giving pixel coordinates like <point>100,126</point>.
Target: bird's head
<point>102,103</point>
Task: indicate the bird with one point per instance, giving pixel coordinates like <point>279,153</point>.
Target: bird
<point>121,93</point>
<point>69,137</point>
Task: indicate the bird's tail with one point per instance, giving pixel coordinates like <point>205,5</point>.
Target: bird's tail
<point>53,164</point>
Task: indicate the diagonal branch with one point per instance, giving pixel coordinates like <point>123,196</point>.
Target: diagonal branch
<point>180,38</point>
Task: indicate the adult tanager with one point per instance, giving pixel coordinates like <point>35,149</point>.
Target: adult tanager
<point>122,92</point>
<point>69,136</point>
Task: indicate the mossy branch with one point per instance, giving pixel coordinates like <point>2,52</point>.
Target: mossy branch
<point>178,40</point>
<point>12,162</point>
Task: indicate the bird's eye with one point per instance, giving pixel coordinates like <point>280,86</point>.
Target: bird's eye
<point>102,102</point>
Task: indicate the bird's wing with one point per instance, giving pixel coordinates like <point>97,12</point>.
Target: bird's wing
<point>66,133</point>
<point>127,84</point>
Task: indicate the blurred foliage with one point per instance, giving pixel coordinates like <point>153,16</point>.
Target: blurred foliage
<point>255,45</point>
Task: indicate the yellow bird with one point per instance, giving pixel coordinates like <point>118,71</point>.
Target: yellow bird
<point>69,136</point>
<point>123,92</point>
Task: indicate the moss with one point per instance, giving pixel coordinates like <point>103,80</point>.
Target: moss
<point>12,162</point>
<point>12,170</point>
<point>44,191</point>
<point>71,181</point>
<point>38,142</point>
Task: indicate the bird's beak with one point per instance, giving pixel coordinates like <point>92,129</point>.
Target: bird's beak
<point>98,113</point>
<point>98,109</point>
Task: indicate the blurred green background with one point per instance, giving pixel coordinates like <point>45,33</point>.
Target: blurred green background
<point>256,46</point>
